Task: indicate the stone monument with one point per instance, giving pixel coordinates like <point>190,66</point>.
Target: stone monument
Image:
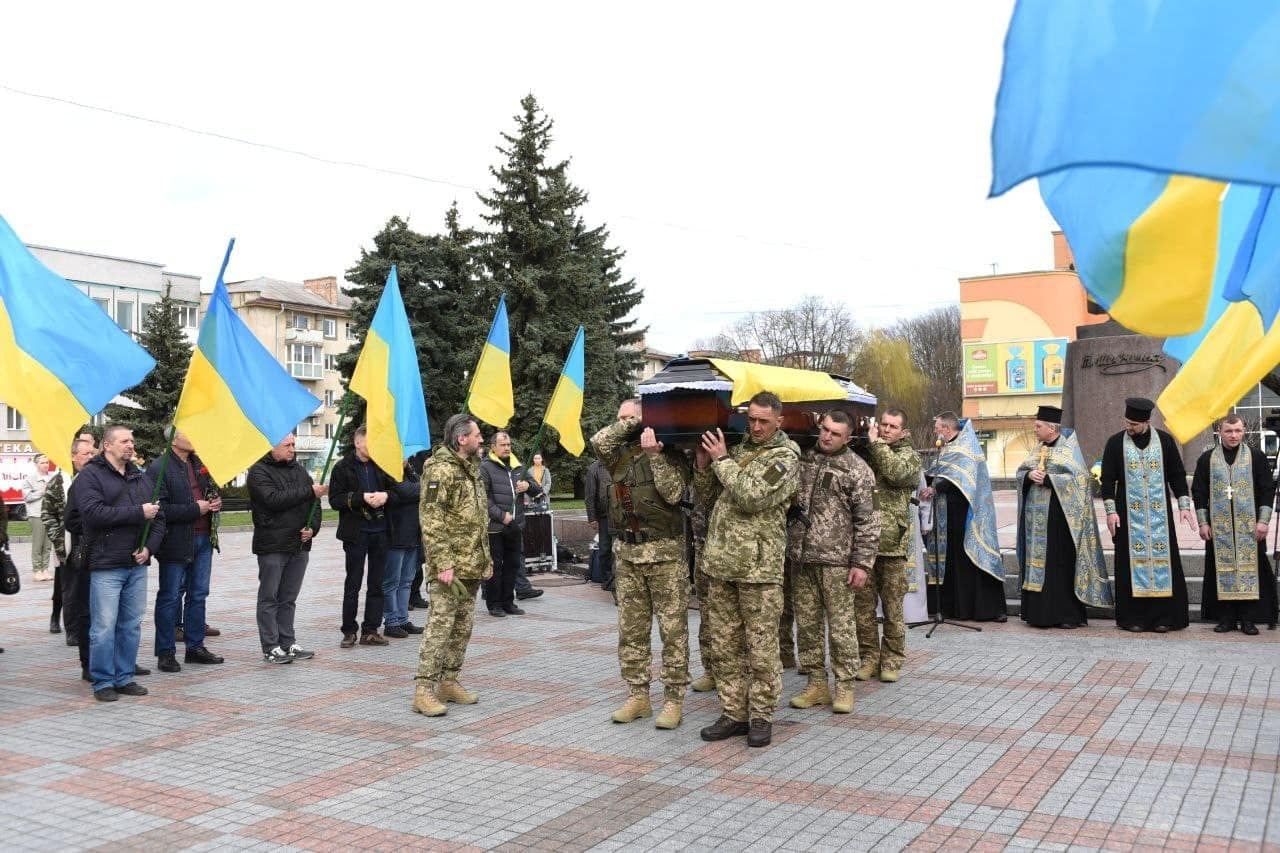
<point>1105,364</point>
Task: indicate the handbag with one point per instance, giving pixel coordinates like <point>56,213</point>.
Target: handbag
<point>10,582</point>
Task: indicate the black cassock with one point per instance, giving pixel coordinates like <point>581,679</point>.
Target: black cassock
<point>1264,492</point>
<point>1056,604</point>
<point>967,591</point>
<point>1146,613</point>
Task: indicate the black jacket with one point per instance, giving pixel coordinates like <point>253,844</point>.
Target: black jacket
<point>500,479</point>
<point>108,506</point>
<point>402,517</point>
<point>596,490</point>
<point>346,495</point>
<point>282,502</point>
<point>180,511</point>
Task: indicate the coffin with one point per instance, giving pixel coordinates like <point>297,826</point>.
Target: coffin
<point>692,395</point>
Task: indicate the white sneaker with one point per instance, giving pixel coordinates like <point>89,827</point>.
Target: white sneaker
<point>297,652</point>
<point>277,655</point>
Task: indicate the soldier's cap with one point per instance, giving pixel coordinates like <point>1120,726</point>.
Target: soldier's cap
<point>1138,409</point>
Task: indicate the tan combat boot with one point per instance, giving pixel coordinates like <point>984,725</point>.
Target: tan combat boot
<point>704,683</point>
<point>636,706</point>
<point>867,672</point>
<point>452,691</point>
<point>842,700</point>
<point>426,703</point>
<point>888,676</point>
<point>670,715</point>
<point>813,695</point>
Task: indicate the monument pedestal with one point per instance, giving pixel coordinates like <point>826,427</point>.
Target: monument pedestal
<point>1106,364</point>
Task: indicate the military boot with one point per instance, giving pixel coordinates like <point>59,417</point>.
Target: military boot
<point>813,695</point>
<point>452,691</point>
<point>888,676</point>
<point>426,703</point>
<point>636,706</point>
<point>705,683</point>
<point>867,672</point>
<point>670,715</point>
<point>842,700</point>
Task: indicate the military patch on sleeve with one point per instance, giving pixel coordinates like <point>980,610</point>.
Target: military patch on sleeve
<point>433,492</point>
<point>775,473</point>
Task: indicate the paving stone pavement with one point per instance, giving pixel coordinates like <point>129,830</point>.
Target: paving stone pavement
<point>1012,738</point>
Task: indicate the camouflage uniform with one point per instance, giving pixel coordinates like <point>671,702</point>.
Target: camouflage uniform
<point>897,470</point>
<point>747,493</point>
<point>701,584</point>
<point>651,575</point>
<point>454,513</point>
<point>843,532</point>
<point>52,511</point>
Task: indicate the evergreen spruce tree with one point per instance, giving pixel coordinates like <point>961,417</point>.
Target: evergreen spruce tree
<point>158,392</point>
<point>439,286</point>
<point>556,273</point>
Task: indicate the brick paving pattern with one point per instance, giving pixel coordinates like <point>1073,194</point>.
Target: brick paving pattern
<point>1012,738</point>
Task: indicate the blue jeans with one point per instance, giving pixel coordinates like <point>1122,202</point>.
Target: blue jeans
<point>174,577</point>
<point>397,578</point>
<point>117,600</point>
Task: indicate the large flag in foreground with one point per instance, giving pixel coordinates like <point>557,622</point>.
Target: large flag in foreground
<point>387,376</point>
<point>491,398</point>
<point>237,401</point>
<point>1154,129</point>
<point>62,359</point>
<point>564,412</point>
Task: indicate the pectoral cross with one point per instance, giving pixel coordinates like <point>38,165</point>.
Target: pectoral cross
<point>1231,492</point>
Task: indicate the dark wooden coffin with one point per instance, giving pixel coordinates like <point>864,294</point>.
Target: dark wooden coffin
<point>689,396</point>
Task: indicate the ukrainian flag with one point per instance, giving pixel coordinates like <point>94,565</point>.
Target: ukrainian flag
<point>564,412</point>
<point>491,398</point>
<point>62,359</point>
<point>1153,129</point>
<point>237,401</point>
<point>387,376</point>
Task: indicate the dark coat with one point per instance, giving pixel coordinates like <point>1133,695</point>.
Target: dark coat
<point>109,506</point>
<point>500,479</point>
<point>282,502</point>
<point>346,495</point>
<point>180,511</point>
<point>402,518</point>
<point>598,483</point>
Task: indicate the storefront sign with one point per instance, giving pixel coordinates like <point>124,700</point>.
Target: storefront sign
<point>1014,367</point>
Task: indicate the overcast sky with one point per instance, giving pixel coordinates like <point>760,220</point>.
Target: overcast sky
<point>742,155</point>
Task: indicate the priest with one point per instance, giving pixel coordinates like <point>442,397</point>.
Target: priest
<point>1140,467</point>
<point>962,546</point>
<point>1059,550</point>
<point>1233,492</point>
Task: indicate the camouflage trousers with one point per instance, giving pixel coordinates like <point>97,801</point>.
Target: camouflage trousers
<point>787,621</point>
<point>447,632</point>
<point>647,591</point>
<point>888,581</point>
<point>706,652</point>
<point>744,631</point>
<point>825,609</point>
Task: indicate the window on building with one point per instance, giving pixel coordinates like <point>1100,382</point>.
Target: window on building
<point>145,310</point>
<point>188,316</point>
<point>304,429</point>
<point>328,430</point>
<point>301,322</point>
<point>330,361</point>
<point>331,328</point>
<point>99,420</point>
<point>304,361</point>
<point>104,304</point>
<point>13,419</point>
<point>351,332</point>
<point>328,398</point>
<point>124,315</point>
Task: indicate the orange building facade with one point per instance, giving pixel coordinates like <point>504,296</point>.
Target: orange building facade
<point>1015,329</point>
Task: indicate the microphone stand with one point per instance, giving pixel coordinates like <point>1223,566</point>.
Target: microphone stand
<point>935,569</point>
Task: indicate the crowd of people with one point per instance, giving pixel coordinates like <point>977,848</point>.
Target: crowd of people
<point>796,557</point>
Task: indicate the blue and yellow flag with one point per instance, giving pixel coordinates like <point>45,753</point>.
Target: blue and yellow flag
<point>564,412</point>
<point>1152,128</point>
<point>237,401</point>
<point>387,376</point>
<point>491,398</point>
<point>62,359</point>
